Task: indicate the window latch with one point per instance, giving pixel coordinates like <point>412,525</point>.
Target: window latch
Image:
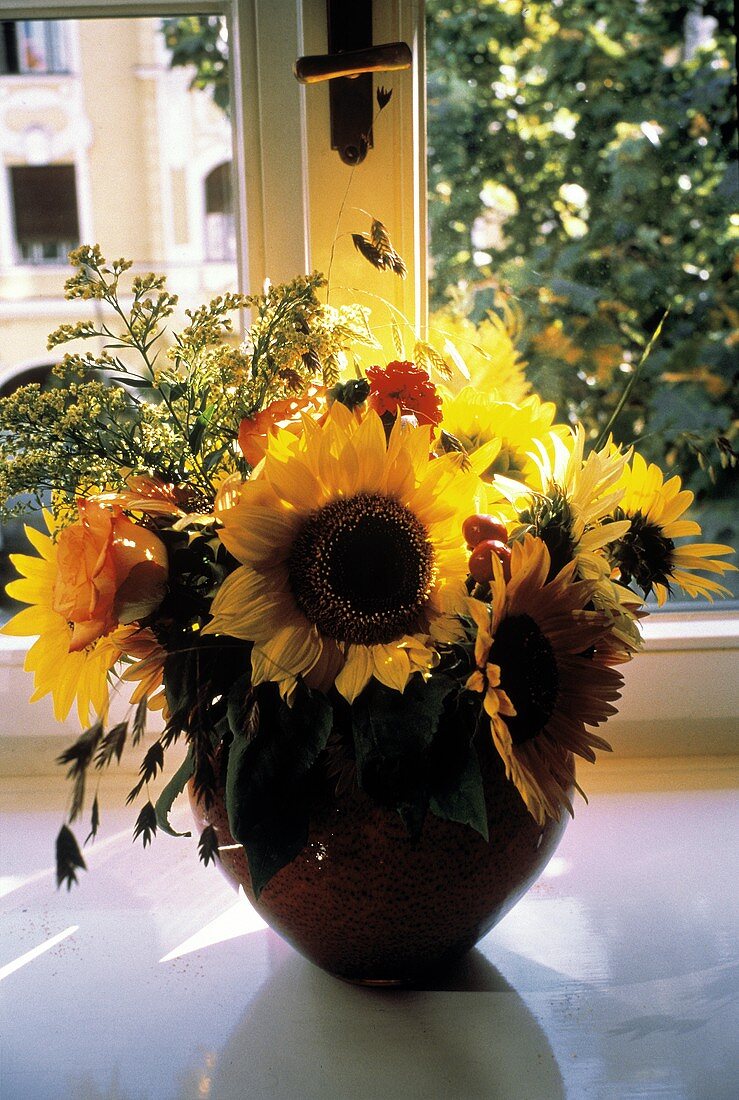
<point>348,66</point>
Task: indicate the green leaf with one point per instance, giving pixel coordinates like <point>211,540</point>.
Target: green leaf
<point>68,858</point>
<point>79,755</point>
<point>268,769</point>
<point>139,721</point>
<point>413,814</point>
<point>580,296</point>
<point>240,706</point>
<point>112,745</point>
<point>393,733</point>
<point>269,763</point>
<point>464,799</point>
<point>174,787</point>
<point>274,843</point>
<point>199,429</point>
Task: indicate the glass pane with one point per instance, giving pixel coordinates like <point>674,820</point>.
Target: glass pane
<point>582,181</point>
<point>107,136</point>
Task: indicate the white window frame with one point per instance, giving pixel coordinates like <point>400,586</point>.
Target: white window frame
<point>682,694</point>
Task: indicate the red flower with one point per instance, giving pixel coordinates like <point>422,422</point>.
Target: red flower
<point>406,387</point>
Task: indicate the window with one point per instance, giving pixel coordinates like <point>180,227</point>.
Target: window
<point>288,189</point>
<point>582,171</point>
<point>37,46</point>
<point>220,224</point>
<point>45,218</point>
<point>583,168</point>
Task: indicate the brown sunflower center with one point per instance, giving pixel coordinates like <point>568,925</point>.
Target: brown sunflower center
<point>528,675</point>
<point>644,554</point>
<point>362,569</point>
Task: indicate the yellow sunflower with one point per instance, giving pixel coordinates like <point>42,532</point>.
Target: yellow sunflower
<point>353,562</point>
<point>484,353</point>
<point>572,496</point>
<point>146,670</point>
<point>540,688</point>
<point>68,674</point>
<point>646,552</point>
<point>477,420</point>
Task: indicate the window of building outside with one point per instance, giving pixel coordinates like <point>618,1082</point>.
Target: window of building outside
<point>45,220</point>
<point>220,221</point>
<point>114,149</point>
<point>32,46</point>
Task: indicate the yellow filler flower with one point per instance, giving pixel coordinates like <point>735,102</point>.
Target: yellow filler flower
<point>353,562</point>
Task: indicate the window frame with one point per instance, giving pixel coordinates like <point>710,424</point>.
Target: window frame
<point>294,176</point>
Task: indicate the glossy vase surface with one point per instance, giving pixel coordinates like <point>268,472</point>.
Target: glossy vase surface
<point>368,904</point>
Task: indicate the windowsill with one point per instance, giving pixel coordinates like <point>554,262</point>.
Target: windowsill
<point>680,698</point>
<point>612,977</point>
<point>39,75</point>
<point>669,630</point>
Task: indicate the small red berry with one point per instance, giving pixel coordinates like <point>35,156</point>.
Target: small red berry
<point>481,563</point>
<point>479,527</point>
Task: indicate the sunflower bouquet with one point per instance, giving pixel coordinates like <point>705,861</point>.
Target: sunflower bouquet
<point>314,568</point>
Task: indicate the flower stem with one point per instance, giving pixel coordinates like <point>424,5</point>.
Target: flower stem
<point>631,383</point>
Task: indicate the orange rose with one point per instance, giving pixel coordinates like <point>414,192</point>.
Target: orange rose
<point>254,431</point>
<point>110,571</point>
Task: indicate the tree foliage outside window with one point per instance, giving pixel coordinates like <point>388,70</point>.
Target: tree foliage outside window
<point>201,41</point>
<point>582,167</point>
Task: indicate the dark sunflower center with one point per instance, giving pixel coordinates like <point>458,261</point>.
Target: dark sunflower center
<point>644,554</point>
<point>362,569</point>
<point>528,674</point>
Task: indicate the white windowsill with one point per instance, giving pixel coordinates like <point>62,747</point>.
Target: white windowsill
<point>680,698</point>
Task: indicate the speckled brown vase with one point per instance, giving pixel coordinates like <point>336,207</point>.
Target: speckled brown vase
<point>367,904</point>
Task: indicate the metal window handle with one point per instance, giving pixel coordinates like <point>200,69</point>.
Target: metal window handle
<point>350,63</point>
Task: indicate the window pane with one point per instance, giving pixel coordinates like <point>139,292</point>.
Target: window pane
<point>33,46</point>
<point>583,180</point>
<point>103,140</point>
<point>44,212</point>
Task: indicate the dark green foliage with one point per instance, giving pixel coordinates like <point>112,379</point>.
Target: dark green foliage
<point>111,745</point>
<point>415,753</point>
<point>351,393</point>
<point>208,845</point>
<point>463,799</point>
<point>200,41</point>
<point>393,736</point>
<point>267,782</point>
<point>139,722</point>
<point>94,820</point>
<point>79,756</point>
<point>528,103</point>
<point>174,787</point>
<point>152,763</point>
